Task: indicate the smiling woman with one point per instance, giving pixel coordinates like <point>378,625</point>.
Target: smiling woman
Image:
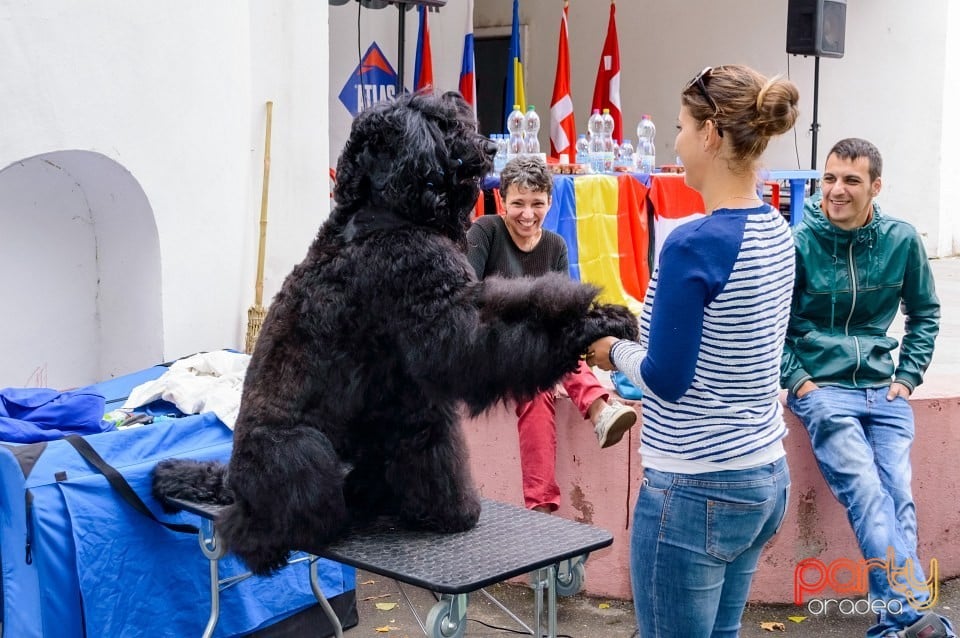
<point>711,333</point>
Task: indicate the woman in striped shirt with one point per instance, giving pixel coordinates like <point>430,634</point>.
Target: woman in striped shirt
<point>711,334</point>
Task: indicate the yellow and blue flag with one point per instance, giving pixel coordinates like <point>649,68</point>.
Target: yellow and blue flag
<point>513,91</point>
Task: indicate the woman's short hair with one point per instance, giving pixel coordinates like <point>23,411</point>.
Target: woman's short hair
<point>746,107</point>
<point>527,172</point>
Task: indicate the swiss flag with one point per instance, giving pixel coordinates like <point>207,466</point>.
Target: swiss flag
<point>563,128</point>
<point>606,92</point>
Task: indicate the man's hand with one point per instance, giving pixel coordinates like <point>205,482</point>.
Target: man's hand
<point>806,388</point>
<point>898,389</point>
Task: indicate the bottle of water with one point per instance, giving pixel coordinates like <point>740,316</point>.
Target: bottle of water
<point>626,160</point>
<point>531,131</point>
<point>646,147</point>
<point>500,159</point>
<point>608,142</point>
<point>583,150</point>
<point>515,127</point>
<point>595,130</point>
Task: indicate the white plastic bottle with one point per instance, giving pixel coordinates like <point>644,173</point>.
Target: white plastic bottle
<point>626,161</point>
<point>531,131</point>
<point>609,145</point>
<point>515,127</point>
<point>583,150</point>
<point>646,146</point>
<point>500,159</point>
<point>595,131</point>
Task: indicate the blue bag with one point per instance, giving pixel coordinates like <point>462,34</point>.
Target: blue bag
<point>625,387</point>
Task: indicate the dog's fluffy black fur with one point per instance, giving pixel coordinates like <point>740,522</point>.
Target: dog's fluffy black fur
<point>350,403</point>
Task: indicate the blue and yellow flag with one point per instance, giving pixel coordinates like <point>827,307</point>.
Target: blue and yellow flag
<point>513,91</point>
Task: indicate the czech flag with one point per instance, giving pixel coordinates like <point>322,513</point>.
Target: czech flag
<point>423,68</point>
<point>514,93</point>
<point>606,92</point>
<point>563,128</point>
<point>468,78</point>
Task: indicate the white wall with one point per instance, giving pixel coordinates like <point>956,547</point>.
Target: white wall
<point>174,94</point>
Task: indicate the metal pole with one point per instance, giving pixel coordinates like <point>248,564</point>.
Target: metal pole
<point>401,43</point>
<point>815,125</point>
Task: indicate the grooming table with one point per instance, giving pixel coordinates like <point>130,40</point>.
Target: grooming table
<point>508,541</point>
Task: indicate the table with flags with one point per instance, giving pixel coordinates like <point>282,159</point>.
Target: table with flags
<point>614,226</point>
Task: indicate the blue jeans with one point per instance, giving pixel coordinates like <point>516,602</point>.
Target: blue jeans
<point>862,444</point>
<point>695,545</point>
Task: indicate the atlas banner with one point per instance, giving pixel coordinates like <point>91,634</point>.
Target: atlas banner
<point>372,81</point>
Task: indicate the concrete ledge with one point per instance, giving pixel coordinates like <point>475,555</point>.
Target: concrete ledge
<point>600,487</point>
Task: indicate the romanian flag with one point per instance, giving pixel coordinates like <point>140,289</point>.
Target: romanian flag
<point>513,91</point>
<point>423,68</point>
<point>468,78</point>
<point>606,92</point>
<point>563,128</point>
<point>603,220</point>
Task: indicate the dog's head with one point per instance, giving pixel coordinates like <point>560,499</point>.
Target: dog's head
<point>418,157</point>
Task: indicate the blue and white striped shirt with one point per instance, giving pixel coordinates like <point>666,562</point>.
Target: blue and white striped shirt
<point>711,336</point>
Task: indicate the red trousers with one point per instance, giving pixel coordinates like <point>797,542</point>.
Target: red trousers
<point>537,429</point>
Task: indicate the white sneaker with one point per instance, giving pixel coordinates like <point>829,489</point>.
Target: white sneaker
<point>613,422</point>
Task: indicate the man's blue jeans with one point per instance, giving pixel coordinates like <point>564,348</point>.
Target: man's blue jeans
<point>695,545</point>
<point>862,444</point>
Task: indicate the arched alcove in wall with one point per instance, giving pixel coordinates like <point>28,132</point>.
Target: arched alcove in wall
<point>80,255</point>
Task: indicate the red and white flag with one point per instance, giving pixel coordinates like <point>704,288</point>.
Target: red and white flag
<point>563,128</point>
<point>606,92</point>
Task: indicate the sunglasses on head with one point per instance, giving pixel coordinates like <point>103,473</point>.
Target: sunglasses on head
<point>700,81</point>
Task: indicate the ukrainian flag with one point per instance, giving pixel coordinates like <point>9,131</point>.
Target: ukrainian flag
<point>513,91</point>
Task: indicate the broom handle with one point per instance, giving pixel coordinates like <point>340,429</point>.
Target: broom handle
<point>263,206</point>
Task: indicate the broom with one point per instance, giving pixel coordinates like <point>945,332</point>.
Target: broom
<point>257,312</point>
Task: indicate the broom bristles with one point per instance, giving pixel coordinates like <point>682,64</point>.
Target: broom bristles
<point>255,316</point>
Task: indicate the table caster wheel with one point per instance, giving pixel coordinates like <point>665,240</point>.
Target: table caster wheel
<point>570,576</point>
<point>440,624</point>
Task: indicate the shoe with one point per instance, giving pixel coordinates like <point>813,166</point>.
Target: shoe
<point>613,422</point>
<point>929,626</point>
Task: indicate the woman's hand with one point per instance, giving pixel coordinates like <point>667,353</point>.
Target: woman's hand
<point>598,354</point>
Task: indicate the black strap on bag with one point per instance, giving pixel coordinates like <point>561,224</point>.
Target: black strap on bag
<point>120,484</point>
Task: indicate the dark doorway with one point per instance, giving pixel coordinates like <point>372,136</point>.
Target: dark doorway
<point>491,69</point>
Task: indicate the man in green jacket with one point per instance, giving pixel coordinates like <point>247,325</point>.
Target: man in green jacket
<point>855,268</point>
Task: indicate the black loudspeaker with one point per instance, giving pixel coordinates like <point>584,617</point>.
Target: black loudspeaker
<point>816,27</point>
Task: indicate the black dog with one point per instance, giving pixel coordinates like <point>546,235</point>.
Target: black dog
<point>350,403</point>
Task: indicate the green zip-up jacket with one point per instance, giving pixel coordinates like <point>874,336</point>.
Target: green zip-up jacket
<point>848,287</point>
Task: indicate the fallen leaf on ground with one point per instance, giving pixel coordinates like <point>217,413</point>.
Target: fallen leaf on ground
<point>366,598</point>
<point>385,629</point>
<point>773,626</point>
<point>604,605</point>
<point>368,582</point>
<point>797,618</point>
<point>386,606</point>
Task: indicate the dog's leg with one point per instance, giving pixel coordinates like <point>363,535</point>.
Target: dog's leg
<point>288,485</point>
<point>432,482</point>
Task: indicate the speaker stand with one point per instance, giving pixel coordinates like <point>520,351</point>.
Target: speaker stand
<point>815,125</point>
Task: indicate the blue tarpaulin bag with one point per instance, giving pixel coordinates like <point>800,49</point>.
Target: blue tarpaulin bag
<point>31,415</point>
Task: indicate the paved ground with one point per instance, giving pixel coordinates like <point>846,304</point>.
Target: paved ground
<point>582,617</point>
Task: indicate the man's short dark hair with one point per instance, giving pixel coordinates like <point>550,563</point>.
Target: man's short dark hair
<point>528,172</point>
<point>852,148</point>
